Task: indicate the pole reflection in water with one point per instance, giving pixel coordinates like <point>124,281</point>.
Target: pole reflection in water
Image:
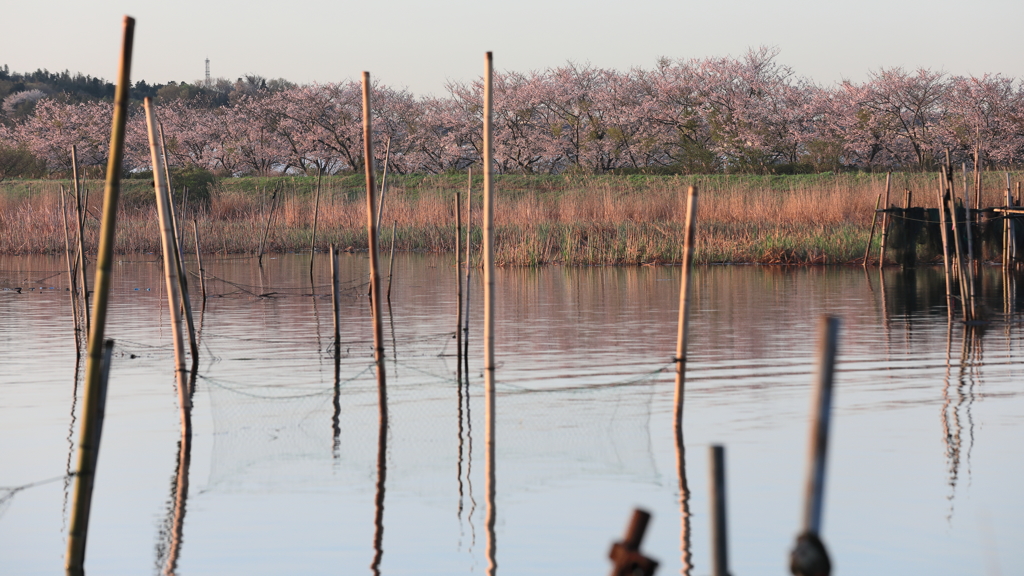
<point>71,446</point>
<point>684,506</point>
<point>382,471</point>
<point>461,448</point>
<point>336,416</point>
<point>168,550</point>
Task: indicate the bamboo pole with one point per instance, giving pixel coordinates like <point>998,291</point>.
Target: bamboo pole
<point>885,220</point>
<point>488,226</point>
<point>469,267</point>
<point>684,303</point>
<point>174,297</point>
<point>335,301</point>
<point>391,260</point>
<point>378,326</point>
<point>719,535</point>
<point>72,285</point>
<point>316,217</point>
<point>871,235</point>
<point>963,270</point>
<point>458,293</point>
<point>199,259</point>
<point>94,394</point>
<point>80,217</point>
<point>179,260</point>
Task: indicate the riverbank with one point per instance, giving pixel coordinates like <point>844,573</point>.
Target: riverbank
<point>589,220</point>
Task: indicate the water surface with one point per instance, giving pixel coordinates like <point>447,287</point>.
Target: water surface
<point>284,475</point>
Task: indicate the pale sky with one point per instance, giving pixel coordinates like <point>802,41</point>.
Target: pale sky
<point>421,45</point>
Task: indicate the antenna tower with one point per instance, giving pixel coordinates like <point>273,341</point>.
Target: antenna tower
<point>207,72</point>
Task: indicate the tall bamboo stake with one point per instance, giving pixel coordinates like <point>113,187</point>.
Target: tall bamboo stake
<point>174,297</point>
<point>335,301</point>
<point>458,294</point>
<point>80,218</point>
<point>72,285</point>
<point>469,267</point>
<point>186,299</point>
<point>371,227</point>
<point>885,220</point>
<point>488,226</point>
<point>684,302</point>
<point>316,217</point>
<point>88,446</point>
<point>871,235</point>
<point>199,260</point>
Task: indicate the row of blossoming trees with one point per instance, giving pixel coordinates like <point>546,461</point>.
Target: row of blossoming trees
<point>750,114</point>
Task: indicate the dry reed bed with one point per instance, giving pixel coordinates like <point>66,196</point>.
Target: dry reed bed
<point>593,221</point>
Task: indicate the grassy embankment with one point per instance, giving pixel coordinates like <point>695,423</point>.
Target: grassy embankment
<point>593,220</point>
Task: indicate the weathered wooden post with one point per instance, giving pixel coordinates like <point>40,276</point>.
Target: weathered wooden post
<point>98,349</point>
<point>719,535</point>
<point>626,557</point>
<point>809,557</point>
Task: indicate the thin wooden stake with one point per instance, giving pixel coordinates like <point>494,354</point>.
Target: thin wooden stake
<point>391,260</point>
<point>199,259</point>
<point>871,235</point>
<point>72,285</point>
<point>335,300</point>
<point>719,534</point>
<point>885,220</point>
<point>316,217</point>
<point>945,253</point>
<point>270,218</point>
<point>80,214</point>
<point>95,389</point>
<point>488,225</point>
<point>383,181</point>
<point>684,302</point>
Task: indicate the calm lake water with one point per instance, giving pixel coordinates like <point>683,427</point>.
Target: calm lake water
<point>283,477</point>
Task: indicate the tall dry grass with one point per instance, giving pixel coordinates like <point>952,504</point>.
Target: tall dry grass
<point>572,221</point>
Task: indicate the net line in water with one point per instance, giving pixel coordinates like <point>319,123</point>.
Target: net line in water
<point>7,493</point>
<point>266,435</point>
